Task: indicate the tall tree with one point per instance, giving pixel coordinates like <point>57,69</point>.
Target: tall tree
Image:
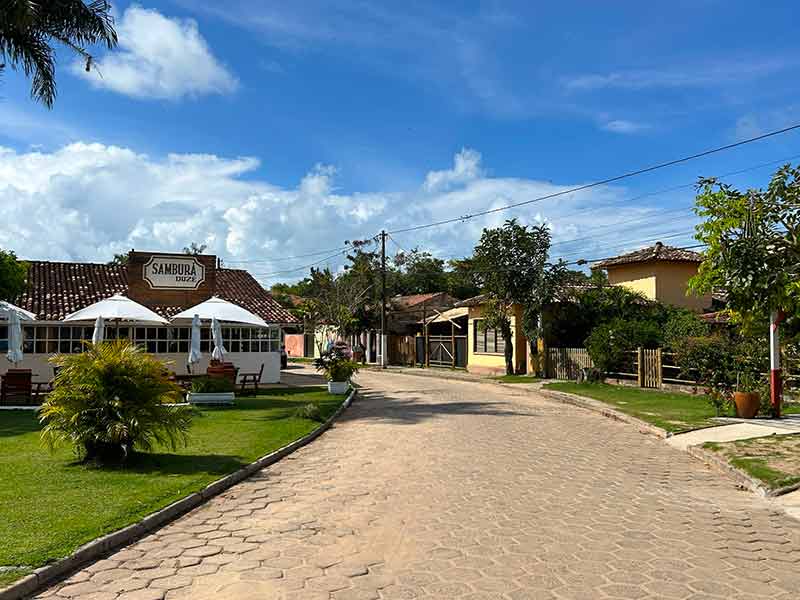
<point>511,267</point>
<point>12,276</point>
<point>30,30</point>
<point>753,240</point>
<point>420,272</point>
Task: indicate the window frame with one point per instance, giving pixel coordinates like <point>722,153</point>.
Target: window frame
<point>499,344</point>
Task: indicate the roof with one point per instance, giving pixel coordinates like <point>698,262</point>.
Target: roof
<point>657,252</point>
<point>448,315</point>
<point>474,301</point>
<point>407,302</point>
<point>56,289</point>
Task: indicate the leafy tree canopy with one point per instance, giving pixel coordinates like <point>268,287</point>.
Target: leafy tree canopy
<point>753,240</point>
<point>30,30</point>
<point>12,276</point>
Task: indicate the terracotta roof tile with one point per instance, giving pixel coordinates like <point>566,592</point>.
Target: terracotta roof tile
<point>658,252</point>
<point>56,289</point>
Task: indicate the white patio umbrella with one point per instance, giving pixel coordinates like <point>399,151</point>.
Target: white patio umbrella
<point>6,308</point>
<point>194,347</point>
<point>117,308</point>
<point>99,330</point>
<point>222,310</point>
<point>219,347</point>
<point>14,338</point>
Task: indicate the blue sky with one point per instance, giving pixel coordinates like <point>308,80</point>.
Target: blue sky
<point>271,129</point>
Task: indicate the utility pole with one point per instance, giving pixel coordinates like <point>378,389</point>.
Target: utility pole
<point>775,375</point>
<point>383,299</point>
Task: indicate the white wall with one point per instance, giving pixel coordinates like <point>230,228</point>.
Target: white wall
<point>248,362</point>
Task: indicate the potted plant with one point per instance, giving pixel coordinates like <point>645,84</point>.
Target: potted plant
<point>746,397</point>
<point>338,369</point>
<point>211,390</point>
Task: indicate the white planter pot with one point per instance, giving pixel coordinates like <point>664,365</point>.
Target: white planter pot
<point>217,398</point>
<point>338,387</point>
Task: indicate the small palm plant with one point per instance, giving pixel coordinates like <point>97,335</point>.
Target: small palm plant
<point>112,399</point>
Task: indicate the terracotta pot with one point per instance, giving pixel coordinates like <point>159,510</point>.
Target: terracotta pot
<point>747,404</point>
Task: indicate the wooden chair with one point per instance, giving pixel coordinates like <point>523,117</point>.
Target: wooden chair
<point>16,387</point>
<point>251,379</point>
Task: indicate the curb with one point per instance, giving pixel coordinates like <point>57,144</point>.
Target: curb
<point>101,546</point>
<point>744,479</point>
<point>603,409</point>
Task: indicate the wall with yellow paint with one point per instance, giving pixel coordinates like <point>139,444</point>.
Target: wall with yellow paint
<point>664,281</point>
<point>495,364</point>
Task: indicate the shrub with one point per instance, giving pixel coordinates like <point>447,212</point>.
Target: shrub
<point>682,323</point>
<point>335,364</point>
<point>310,411</point>
<point>212,385</point>
<point>112,400</point>
<point>610,344</point>
<point>709,360</point>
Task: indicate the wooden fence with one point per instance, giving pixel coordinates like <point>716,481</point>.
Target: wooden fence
<point>566,363</point>
<point>645,366</point>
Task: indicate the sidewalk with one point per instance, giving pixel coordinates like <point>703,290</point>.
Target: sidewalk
<point>732,429</point>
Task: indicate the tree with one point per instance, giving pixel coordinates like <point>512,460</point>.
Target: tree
<point>461,280</point>
<point>119,259</point>
<point>420,272</point>
<point>753,243</point>
<point>29,30</point>
<point>753,253</point>
<point>195,249</point>
<point>511,265</point>
<point>13,273</point>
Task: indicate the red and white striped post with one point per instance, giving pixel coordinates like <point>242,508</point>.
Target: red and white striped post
<point>775,378</point>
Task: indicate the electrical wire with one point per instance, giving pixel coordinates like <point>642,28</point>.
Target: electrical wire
<point>601,182</point>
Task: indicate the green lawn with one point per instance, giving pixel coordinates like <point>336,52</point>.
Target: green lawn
<point>516,379</point>
<point>50,504</point>
<point>672,411</point>
<point>774,460</point>
<point>301,359</point>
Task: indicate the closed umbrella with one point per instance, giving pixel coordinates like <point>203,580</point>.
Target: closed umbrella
<point>194,348</point>
<point>14,338</point>
<point>219,348</point>
<point>99,330</point>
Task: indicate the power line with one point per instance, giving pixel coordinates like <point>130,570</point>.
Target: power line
<point>304,267</point>
<point>282,258</point>
<point>601,182</point>
<point>654,213</point>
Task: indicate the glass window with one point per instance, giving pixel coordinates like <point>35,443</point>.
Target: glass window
<point>487,341</point>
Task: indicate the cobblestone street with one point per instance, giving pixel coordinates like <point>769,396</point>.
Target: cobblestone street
<point>430,488</point>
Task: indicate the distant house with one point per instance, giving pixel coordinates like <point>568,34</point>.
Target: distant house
<point>659,273</point>
<point>486,347</point>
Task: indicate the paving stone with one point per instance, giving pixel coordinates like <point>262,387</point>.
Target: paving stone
<point>435,489</point>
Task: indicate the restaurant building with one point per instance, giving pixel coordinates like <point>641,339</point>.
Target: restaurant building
<point>165,283</point>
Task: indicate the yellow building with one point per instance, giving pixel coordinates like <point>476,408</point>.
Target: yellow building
<point>659,273</point>
<point>486,347</point>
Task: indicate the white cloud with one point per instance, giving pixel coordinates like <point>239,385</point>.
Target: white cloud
<point>624,126</point>
<point>89,201</point>
<point>702,75</point>
<point>466,168</point>
<point>159,58</point>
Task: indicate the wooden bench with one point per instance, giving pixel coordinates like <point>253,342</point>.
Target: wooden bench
<point>251,379</point>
